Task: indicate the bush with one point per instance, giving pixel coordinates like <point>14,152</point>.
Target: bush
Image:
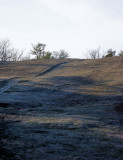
<point>110,53</point>
<point>62,54</point>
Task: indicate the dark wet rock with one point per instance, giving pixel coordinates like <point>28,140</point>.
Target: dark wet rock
<point>119,108</point>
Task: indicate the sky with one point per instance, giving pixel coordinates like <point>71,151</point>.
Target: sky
<point>73,25</point>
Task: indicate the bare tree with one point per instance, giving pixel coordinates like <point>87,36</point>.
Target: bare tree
<point>8,53</point>
<point>5,50</point>
<point>94,53</point>
<point>17,55</point>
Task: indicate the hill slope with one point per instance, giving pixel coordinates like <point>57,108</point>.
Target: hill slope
<point>61,109</point>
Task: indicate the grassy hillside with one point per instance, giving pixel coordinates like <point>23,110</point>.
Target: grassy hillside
<point>25,68</point>
<point>61,109</point>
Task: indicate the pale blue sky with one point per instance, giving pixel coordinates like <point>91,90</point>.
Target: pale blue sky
<point>73,25</point>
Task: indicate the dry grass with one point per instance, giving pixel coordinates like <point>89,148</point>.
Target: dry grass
<point>109,70</point>
<point>25,68</point>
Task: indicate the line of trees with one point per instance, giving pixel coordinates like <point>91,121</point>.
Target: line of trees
<point>9,53</point>
<point>39,51</point>
<point>96,54</point>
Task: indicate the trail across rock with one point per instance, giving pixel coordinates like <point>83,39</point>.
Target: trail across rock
<point>51,69</point>
<point>7,86</point>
